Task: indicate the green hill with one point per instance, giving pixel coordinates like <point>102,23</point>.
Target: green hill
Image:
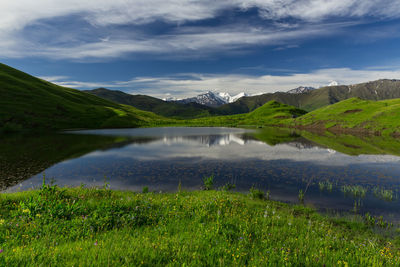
<point>158,106</point>
<point>271,113</point>
<point>312,100</point>
<point>27,102</point>
<point>381,117</point>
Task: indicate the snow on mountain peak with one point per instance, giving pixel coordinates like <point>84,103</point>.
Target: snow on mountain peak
<point>229,99</point>
<point>212,99</point>
<point>333,83</point>
<point>300,90</point>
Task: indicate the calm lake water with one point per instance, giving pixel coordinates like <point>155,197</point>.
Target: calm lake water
<point>275,160</point>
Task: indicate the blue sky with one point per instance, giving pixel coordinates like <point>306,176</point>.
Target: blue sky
<point>186,47</point>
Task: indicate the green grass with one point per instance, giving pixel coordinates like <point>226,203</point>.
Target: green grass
<point>325,185</point>
<point>384,194</point>
<point>100,227</point>
<point>355,114</point>
<point>30,103</point>
<point>354,190</point>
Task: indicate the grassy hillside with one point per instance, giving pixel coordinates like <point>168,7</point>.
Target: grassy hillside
<point>355,114</point>
<point>100,227</point>
<point>375,90</point>
<point>27,102</point>
<point>158,106</point>
<point>271,113</point>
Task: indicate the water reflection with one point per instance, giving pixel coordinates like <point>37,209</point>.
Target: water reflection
<point>281,161</point>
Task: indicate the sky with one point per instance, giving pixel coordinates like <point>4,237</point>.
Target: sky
<point>182,48</point>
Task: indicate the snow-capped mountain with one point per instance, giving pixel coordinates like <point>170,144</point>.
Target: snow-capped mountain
<point>333,83</point>
<point>211,99</point>
<point>230,99</point>
<point>300,90</point>
<point>170,98</point>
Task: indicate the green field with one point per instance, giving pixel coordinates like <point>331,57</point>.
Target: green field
<point>100,227</point>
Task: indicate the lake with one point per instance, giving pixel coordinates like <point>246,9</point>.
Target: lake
<point>342,173</point>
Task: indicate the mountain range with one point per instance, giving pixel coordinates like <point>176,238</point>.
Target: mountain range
<point>208,104</point>
<point>165,108</point>
<point>210,99</point>
<point>300,90</point>
<point>27,102</point>
<point>314,99</point>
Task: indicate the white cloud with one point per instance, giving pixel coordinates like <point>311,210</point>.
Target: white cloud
<point>199,43</point>
<point>17,16</point>
<point>190,84</point>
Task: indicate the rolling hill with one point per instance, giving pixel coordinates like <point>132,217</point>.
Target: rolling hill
<point>354,115</point>
<point>158,106</point>
<point>27,102</point>
<point>271,113</point>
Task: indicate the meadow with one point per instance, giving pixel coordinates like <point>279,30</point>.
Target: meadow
<point>98,227</point>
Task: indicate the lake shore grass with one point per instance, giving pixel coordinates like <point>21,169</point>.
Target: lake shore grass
<point>101,227</point>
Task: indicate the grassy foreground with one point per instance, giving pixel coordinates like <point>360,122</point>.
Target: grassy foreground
<point>100,227</point>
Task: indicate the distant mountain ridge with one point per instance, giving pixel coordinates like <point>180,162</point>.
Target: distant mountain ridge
<point>306,98</point>
<point>156,105</point>
<point>210,99</point>
<point>314,99</point>
<point>300,90</point>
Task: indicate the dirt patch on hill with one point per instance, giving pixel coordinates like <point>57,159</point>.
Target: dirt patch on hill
<point>352,111</point>
<point>351,146</point>
<point>282,117</point>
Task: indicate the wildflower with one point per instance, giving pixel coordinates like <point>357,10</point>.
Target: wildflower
<point>1,251</point>
<point>26,211</point>
<point>2,221</point>
<point>95,243</point>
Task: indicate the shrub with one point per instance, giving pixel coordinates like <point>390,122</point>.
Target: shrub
<point>256,193</point>
<point>208,182</point>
